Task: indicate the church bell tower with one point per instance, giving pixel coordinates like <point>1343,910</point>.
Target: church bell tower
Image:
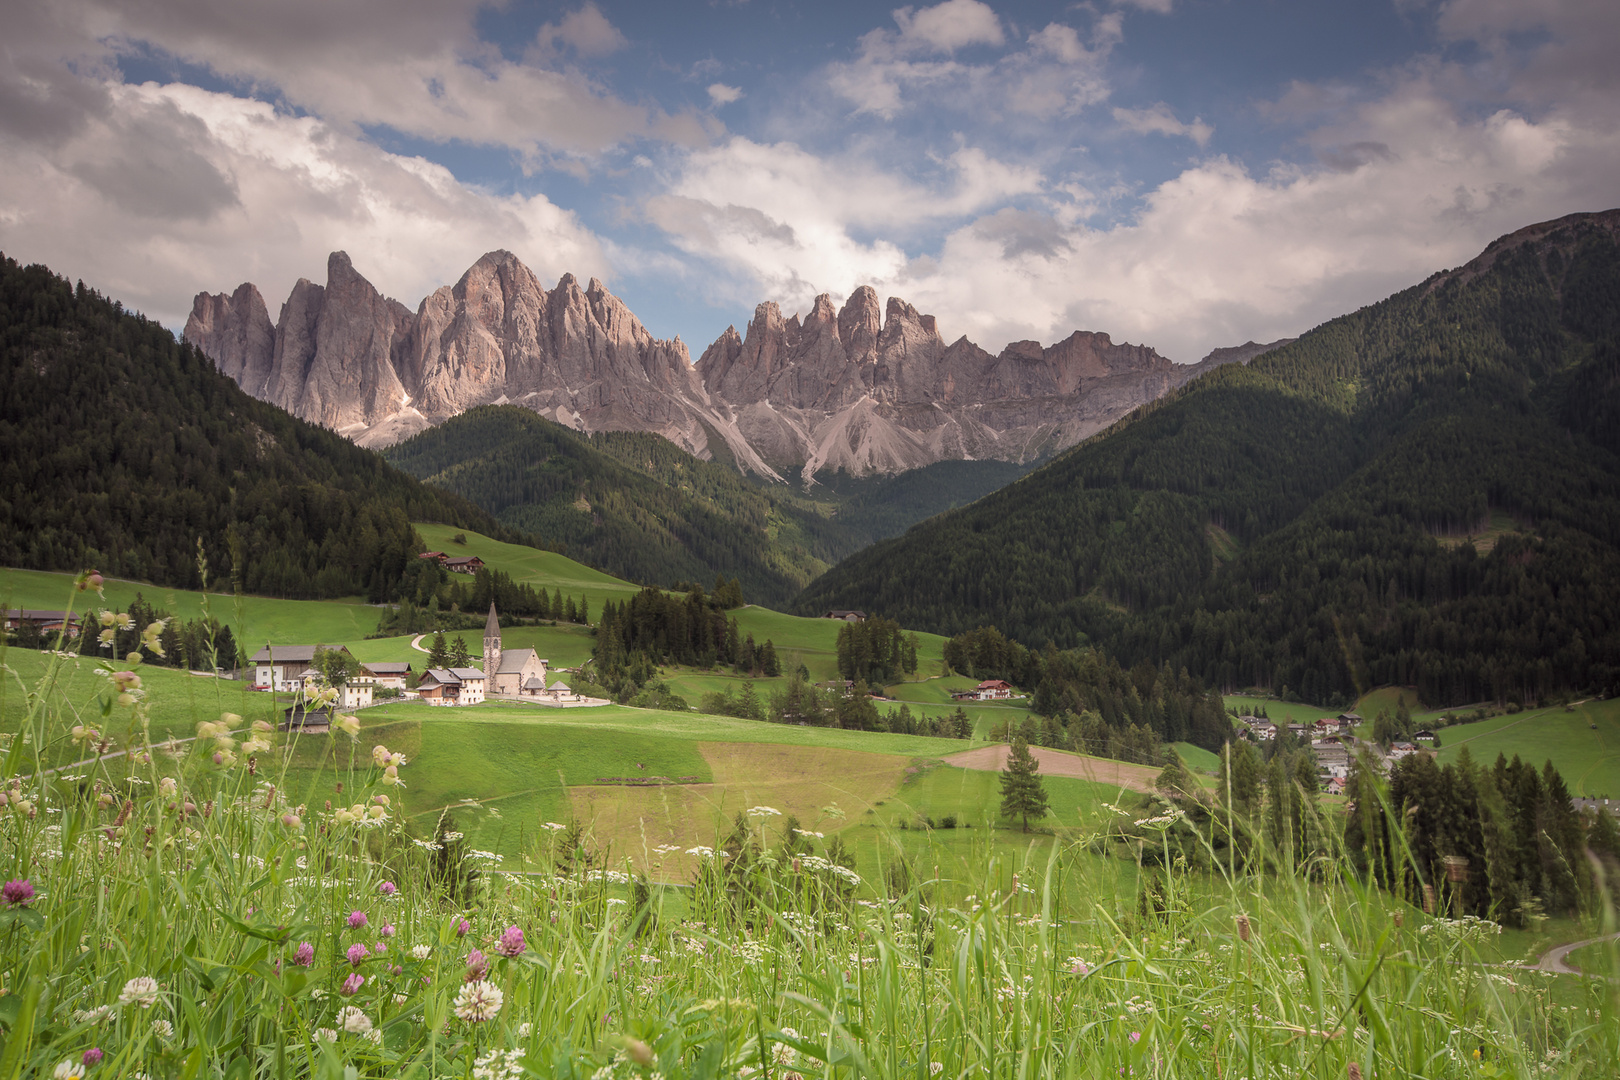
<point>492,647</point>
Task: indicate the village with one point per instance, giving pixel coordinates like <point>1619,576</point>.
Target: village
<point>1333,742</point>
<point>512,675</point>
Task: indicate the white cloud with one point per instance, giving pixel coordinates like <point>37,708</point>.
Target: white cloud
<point>1409,183</point>
<point>721,94</point>
<point>175,190</point>
<point>1051,74</point>
<point>1159,120</point>
<point>416,66</point>
<point>778,218</point>
<point>586,31</point>
<point>947,27</point>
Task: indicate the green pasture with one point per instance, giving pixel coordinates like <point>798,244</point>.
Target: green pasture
<point>177,699</point>
<point>974,797</point>
<point>531,565</point>
<point>1197,758</point>
<point>1600,957</point>
<point>1582,741</point>
<point>261,618</point>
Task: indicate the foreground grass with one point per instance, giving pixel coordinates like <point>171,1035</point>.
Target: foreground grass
<point>189,917</point>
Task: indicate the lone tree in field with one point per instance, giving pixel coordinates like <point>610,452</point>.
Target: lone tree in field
<point>1022,792</point>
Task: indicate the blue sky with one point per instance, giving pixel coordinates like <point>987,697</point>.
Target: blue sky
<point>1188,173</point>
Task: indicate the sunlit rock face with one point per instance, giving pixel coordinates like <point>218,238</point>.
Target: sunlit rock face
<point>866,387</point>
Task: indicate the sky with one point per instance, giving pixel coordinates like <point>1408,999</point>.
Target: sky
<point>1187,174</point>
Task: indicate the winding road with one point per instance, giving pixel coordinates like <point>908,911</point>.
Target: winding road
<point>1553,959</point>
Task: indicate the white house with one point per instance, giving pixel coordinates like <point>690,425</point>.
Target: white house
<point>390,674</point>
<point>282,667</point>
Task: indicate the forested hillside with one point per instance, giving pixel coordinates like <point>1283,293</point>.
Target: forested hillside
<point>640,507</point>
<point>1424,492</point>
<point>121,449</point>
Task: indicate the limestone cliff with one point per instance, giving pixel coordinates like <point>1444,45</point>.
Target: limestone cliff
<point>866,387</point>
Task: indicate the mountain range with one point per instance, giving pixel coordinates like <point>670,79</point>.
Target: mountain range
<point>1424,492</point>
<point>863,388</point>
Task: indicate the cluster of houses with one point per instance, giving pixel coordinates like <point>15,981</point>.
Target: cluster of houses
<point>1333,741</point>
<point>514,674</point>
<point>988,690</point>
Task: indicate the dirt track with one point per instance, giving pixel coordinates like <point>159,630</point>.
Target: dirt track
<point>1057,763</point>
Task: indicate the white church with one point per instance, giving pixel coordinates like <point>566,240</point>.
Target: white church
<point>510,672</point>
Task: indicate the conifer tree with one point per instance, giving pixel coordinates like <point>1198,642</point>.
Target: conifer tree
<point>439,654</point>
<point>1023,794</point>
<point>458,652</point>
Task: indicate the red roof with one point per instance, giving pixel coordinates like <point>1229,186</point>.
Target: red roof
<point>995,684</point>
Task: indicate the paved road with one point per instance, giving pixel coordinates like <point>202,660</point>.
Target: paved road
<point>416,643</point>
<point>1553,959</point>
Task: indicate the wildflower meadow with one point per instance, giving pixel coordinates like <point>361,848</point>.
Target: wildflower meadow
<point>192,908</point>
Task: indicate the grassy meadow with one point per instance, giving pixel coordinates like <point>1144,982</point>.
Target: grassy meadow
<point>241,929</point>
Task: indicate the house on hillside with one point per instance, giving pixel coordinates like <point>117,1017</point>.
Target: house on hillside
<point>992,689</point>
<point>1263,730</point>
<point>1400,750</point>
<point>1335,786</point>
<point>436,556</point>
<point>1349,721</point>
<point>391,674</point>
<point>1328,725</point>
<point>45,620</point>
<point>846,616</point>
<point>510,670</point>
<point>462,564</point>
<point>1425,738</point>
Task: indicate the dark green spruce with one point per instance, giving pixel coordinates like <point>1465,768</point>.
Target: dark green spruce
<point>1425,492</point>
<point>120,448</point>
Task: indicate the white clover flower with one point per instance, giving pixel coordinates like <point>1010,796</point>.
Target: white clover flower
<point>354,1021</point>
<point>525,1029</point>
<point>143,990</point>
<point>91,1016</point>
<point>478,1001</point>
<point>324,1034</point>
<point>163,1029</point>
<point>421,952</point>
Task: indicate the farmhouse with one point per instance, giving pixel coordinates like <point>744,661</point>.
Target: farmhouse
<point>282,667</point>
<point>451,686</point>
<point>510,670</point>
<point>45,620</point>
<point>391,673</point>
<point>463,564</point>
<point>1425,737</point>
<point>846,616</point>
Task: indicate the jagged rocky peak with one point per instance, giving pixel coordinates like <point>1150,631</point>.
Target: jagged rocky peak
<point>236,331</point>
<point>869,385</point>
<point>347,357</point>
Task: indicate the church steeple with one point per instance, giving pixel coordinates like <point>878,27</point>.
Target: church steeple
<point>492,643</point>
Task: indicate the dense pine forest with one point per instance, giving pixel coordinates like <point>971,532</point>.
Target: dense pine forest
<point>1423,492</point>
<point>123,449</point>
<point>642,508</point>
<point>632,503</point>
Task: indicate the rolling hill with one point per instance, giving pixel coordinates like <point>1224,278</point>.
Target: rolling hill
<point>1424,492</point>
<point>639,506</point>
<point>125,450</point>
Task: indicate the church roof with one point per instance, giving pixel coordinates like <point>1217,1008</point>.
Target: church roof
<point>492,625</point>
<point>512,660</point>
